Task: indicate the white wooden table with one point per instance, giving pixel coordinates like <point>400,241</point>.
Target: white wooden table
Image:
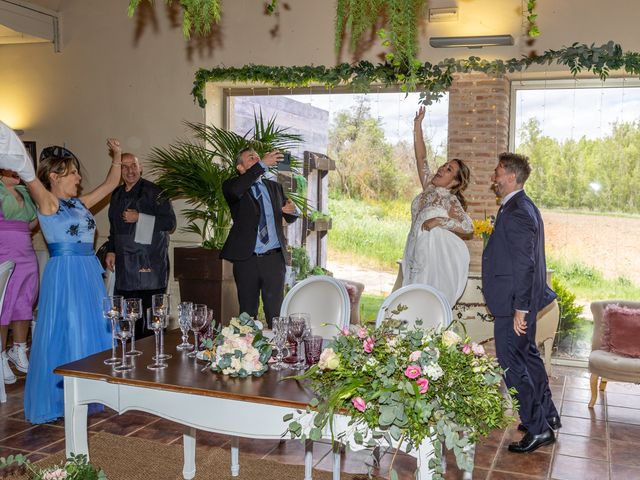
<point>251,408</point>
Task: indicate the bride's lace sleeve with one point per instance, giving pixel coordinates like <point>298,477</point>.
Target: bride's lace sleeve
<point>458,221</point>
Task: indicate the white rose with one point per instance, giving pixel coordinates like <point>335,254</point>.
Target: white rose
<point>227,332</point>
<point>433,371</point>
<point>328,360</point>
<point>450,338</point>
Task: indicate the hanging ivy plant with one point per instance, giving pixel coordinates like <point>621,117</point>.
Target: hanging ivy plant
<point>431,80</point>
<point>401,17</point>
<point>198,15</point>
<point>533,30</point>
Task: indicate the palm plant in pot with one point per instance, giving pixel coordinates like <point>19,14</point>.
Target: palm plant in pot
<point>194,171</point>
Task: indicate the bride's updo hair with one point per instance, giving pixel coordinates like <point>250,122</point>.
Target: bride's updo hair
<point>463,177</point>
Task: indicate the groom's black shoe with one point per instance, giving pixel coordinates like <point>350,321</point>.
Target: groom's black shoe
<point>530,443</point>
<point>554,422</point>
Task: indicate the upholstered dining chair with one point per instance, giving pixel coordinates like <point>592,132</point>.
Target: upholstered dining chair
<point>325,299</point>
<point>604,364</point>
<point>6,269</point>
<point>422,301</point>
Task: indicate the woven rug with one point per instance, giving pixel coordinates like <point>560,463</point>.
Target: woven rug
<point>128,458</point>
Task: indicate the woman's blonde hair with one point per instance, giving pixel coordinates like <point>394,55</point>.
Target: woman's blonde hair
<point>463,177</point>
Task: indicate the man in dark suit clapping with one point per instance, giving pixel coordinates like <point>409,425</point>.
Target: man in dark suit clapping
<point>515,289</point>
<point>256,242</point>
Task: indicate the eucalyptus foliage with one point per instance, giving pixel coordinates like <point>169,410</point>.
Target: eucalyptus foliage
<point>196,170</point>
<point>431,80</point>
<point>76,467</point>
<point>405,386</point>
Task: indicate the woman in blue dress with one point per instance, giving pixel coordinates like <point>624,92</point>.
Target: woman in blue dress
<point>70,324</point>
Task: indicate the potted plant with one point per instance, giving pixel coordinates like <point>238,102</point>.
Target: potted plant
<point>195,171</point>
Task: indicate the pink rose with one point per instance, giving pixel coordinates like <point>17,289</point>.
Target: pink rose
<point>359,403</point>
<point>423,383</point>
<point>415,356</point>
<point>362,332</point>
<point>477,349</point>
<point>345,331</point>
<point>412,371</point>
<point>368,344</point>
<point>466,348</point>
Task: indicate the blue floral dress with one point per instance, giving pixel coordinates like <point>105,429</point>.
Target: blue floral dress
<point>70,325</point>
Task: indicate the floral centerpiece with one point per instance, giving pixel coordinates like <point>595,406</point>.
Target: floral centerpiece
<point>76,467</point>
<point>483,228</point>
<point>405,386</point>
<point>240,349</point>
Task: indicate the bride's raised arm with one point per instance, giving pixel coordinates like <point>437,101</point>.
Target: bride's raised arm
<point>420,148</point>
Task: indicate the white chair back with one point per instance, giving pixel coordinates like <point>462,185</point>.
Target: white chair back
<point>422,301</point>
<point>6,269</point>
<point>325,299</point>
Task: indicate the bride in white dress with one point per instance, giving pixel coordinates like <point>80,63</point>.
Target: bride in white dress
<point>435,254</point>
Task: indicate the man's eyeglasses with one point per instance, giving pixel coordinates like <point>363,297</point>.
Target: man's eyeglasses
<point>56,151</point>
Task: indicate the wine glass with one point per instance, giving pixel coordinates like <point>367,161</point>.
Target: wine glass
<point>161,305</point>
<point>299,327</point>
<point>198,321</point>
<point>280,327</point>
<point>156,323</point>
<point>111,310</point>
<point>133,309</point>
<point>124,332</point>
<point>185,312</point>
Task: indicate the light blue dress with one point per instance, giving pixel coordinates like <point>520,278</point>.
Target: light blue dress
<point>70,325</point>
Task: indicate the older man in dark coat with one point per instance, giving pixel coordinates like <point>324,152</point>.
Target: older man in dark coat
<point>138,247</point>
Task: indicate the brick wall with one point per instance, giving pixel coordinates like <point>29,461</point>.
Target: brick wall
<point>478,132</point>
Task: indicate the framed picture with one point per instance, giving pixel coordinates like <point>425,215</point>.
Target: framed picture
<point>31,148</point>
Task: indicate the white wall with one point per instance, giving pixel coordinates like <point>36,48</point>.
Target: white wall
<point>111,81</point>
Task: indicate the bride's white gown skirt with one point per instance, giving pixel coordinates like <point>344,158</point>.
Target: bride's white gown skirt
<point>438,258</point>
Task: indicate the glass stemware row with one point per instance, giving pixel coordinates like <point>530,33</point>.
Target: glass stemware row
<point>123,314</point>
<point>296,327</point>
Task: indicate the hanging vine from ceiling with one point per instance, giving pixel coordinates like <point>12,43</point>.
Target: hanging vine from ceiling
<point>431,80</point>
<point>198,16</point>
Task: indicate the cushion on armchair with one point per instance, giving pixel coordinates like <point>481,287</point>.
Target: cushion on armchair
<point>621,327</point>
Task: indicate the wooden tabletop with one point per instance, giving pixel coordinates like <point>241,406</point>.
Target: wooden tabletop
<point>184,375</point>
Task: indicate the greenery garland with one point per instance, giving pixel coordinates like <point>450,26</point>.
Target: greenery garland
<point>431,80</point>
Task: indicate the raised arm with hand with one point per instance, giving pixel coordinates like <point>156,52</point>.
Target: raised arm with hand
<point>113,176</point>
<point>420,148</point>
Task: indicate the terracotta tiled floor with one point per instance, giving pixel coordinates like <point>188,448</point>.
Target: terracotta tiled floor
<point>594,444</point>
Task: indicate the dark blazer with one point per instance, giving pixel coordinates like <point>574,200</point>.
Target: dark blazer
<point>140,267</point>
<point>245,212</point>
<point>514,270</point>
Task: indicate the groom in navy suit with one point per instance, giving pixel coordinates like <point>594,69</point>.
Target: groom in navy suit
<point>515,289</point>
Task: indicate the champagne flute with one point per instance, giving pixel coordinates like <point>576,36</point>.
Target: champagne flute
<point>299,326</point>
<point>124,332</point>
<point>185,312</point>
<point>198,320</point>
<point>156,323</point>
<point>280,332</point>
<point>161,305</point>
<point>111,310</point>
<point>134,312</point>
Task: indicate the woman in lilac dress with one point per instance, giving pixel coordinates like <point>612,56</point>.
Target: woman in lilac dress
<point>17,219</point>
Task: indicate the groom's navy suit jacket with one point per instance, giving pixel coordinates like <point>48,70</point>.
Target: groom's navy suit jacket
<point>514,270</point>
